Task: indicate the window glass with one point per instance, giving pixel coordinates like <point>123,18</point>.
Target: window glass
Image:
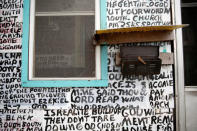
<point>64,5</point>
<point>189,16</point>
<point>63,42</point>
<point>188,1</point>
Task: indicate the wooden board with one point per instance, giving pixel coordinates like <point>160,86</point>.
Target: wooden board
<point>136,34</point>
<point>141,29</point>
<point>131,37</point>
<point>167,58</point>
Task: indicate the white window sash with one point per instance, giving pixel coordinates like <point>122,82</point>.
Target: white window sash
<point>72,13</point>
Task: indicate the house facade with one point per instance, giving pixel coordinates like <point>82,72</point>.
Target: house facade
<point>52,77</point>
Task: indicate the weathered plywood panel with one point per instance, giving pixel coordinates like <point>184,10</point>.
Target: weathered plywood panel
<point>11,22</point>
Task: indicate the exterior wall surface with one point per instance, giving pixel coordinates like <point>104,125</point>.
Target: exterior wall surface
<point>127,104</point>
<point>190,104</point>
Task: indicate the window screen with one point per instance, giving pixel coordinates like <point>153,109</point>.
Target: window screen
<point>63,39</point>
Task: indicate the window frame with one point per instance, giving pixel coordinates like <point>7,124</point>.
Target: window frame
<point>33,14</point>
<point>101,78</point>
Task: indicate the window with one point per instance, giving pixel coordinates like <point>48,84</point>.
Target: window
<point>58,52</point>
<point>189,16</point>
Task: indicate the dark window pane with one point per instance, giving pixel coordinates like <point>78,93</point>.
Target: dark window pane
<point>188,1</point>
<point>64,5</point>
<point>63,46</point>
<point>189,16</point>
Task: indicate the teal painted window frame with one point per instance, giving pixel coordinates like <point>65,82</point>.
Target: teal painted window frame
<point>103,82</point>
